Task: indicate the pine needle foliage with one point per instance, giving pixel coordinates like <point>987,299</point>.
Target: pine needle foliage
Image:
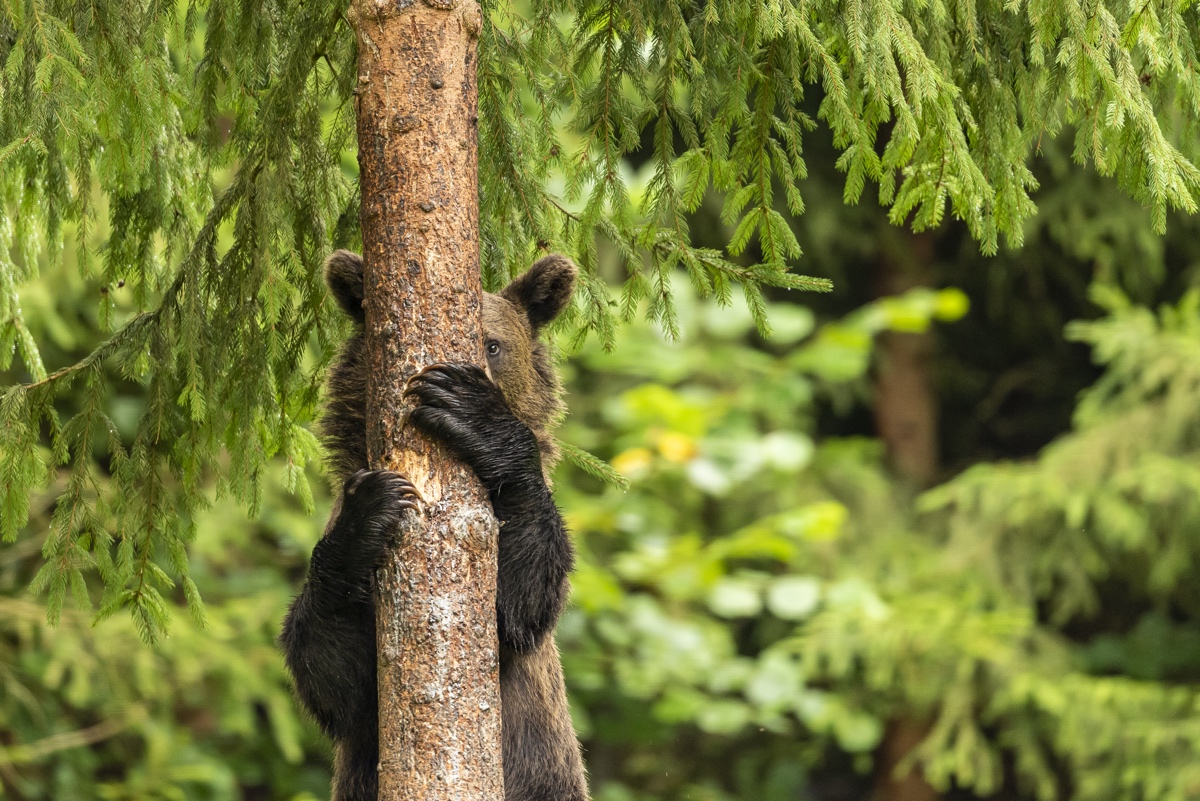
<point>119,104</point>
<point>1114,501</point>
<point>192,156</point>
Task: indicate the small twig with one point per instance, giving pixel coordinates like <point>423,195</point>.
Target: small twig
<point>556,205</point>
<point>38,749</point>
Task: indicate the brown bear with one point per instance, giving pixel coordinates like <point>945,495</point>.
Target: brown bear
<point>498,422</point>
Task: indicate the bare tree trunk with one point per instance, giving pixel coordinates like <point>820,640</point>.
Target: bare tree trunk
<point>439,696</point>
<point>906,419</point>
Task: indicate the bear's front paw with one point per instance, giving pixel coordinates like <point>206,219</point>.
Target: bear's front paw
<point>460,407</point>
<point>373,501</point>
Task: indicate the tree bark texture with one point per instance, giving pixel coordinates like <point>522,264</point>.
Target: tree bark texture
<point>439,697</point>
<point>906,419</point>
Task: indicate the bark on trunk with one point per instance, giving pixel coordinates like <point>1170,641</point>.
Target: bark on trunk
<point>439,697</point>
<point>906,419</point>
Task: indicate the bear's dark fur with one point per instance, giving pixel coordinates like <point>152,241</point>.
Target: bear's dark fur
<point>500,426</point>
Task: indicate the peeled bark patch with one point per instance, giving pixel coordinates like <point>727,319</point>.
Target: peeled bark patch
<point>439,698</point>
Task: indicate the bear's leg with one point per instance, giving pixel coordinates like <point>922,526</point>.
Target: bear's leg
<point>328,636</point>
<point>541,754</point>
<point>534,561</point>
<point>356,768</point>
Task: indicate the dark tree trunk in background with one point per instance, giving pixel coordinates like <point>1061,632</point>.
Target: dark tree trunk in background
<point>905,401</point>
<point>439,697</point>
<point>906,418</point>
<point>900,737</point>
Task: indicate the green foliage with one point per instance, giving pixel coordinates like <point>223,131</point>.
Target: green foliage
<point>1117,498</point>
<point>217,173</point>
<point>756,579</point>
<point>88,711</point>
<point>690,583</point>
<point>195,155</point>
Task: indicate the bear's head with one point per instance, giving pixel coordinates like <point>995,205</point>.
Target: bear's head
<point>513,319</point>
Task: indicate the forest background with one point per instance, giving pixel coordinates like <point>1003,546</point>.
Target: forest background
<point>952,504</point>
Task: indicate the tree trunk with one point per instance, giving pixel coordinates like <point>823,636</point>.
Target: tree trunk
<point>906,419</point>
<point>439,696</point>
<point>905,400</point>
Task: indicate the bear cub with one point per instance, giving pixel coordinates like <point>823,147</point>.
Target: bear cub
<point>498,422</point>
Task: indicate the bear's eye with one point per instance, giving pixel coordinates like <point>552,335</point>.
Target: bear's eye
<point>493,347</point>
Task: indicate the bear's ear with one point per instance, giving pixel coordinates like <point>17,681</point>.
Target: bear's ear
<point>544,290</point>
<point>344,276</point>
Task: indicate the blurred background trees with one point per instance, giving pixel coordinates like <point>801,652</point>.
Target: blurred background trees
<point>933,534</point>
